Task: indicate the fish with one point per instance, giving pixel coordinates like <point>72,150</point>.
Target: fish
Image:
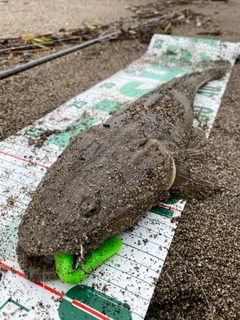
<point>109,176</point>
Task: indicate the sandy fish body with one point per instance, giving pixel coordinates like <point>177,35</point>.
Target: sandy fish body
<point>109,176</point>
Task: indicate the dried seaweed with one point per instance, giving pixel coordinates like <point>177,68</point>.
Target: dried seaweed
<point>148,20</point>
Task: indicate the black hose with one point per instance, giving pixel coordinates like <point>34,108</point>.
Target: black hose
<point>29,65</point>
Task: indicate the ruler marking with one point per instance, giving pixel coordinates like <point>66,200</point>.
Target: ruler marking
<point>24,160</point>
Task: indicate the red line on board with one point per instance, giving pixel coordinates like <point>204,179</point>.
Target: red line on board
<point>25,160</point>
<point>60,294</point>
<point>90,310</point>
<point>44,286</point>
<point>4,265</point>
<point>40,284</point>
<point>167,206</point>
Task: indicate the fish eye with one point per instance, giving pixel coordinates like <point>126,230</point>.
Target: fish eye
<point>92,208</point>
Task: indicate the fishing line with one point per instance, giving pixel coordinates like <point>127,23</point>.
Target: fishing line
<point>29,65</point>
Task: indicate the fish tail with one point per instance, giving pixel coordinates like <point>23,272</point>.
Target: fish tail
<point>197,80</point>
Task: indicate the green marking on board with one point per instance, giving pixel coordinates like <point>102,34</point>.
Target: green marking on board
<point>168,213</point>
<point>34,133</point>
<point>151,75</point>
<point>204,57</point>
<point>209,91</point>
<point>108,85</point>
<point>183,61</point>
<point>158,44</point>
<point>77,104</point>
<point>186,56</point>
<point>4,304</point>
<point>10,300</point>
<point>203,118</point>
<point>165,212</point>
<point>160,72</point>
<point>131,89</point>
<point>129,71</point>
<point>172,49</point>
<point>62,139</point>
<point>176,38</point>
<point>211,88</point>
<point>168,74</point>
<point>171,200</point>
<point>94,299</point>
<point>164,74</point>
<point>212,43</point>
<point>108,106</point>
<point>19,305</point>
<point>204,112</point>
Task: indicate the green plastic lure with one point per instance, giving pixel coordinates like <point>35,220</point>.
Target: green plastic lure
<point>64,262</point>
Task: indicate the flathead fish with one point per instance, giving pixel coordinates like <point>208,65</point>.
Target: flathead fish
<point>109,176</point>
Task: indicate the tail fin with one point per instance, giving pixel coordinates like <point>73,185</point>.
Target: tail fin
<point>197,79</point>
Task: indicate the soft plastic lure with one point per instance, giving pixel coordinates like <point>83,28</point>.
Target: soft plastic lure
<point>64,262</point>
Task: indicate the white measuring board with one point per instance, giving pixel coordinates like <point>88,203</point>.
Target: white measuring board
<point>123,286</point>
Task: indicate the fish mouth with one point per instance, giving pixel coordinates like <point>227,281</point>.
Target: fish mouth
<point>37,268</point>
<point>40,268</point>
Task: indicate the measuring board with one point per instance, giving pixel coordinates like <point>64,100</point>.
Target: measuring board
<point>123,286</point>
